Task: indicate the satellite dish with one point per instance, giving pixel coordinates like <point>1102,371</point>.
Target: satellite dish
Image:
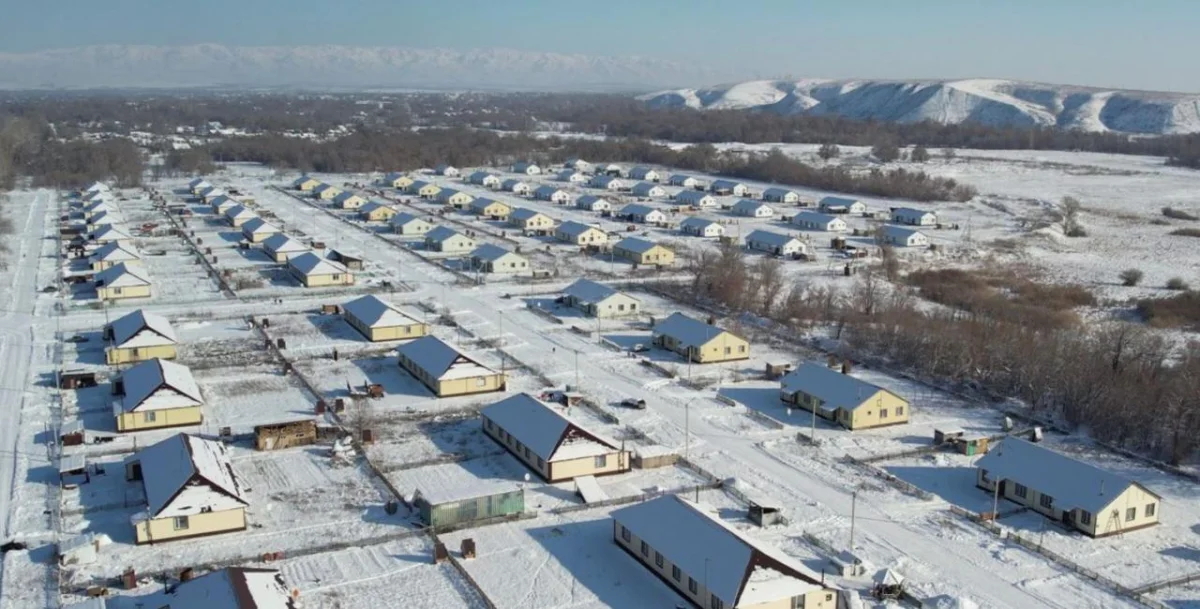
<point>527,476</point>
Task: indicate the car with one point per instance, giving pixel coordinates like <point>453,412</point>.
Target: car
<point>48,289</point>
<point>634,403</point>
<point>78,338</point>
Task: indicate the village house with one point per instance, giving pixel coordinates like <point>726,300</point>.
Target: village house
<point>103,217</point>
<point>445,370</point>
<point>841,205</point>
<point>305,183</point>
<point>914,217</point>
<point>113,253</point>
<point>695,198</point>
<point>228,588</point>
<point>379,320</point>
<point>488,258</point>
<point>517,187</point>
<point>256,230</point>
<point>775,243</point>
<point>593,203</point>
<point>839,397</point>
<point>811,220</point>
<point>109,234</point>
<point>397,180</point>
<point>197,184</point>
<point>608,182</point>
<point>571,176</point>
<point>599,300</point>
<point>424,190</point>
<point>279,247</point>
<point>490,208</point>
<point>239,215</point>
<point>326,192</point>
<point>449,495</point>
<point>191,490</point>
<point>137,337</point>
<point>700,342</point>
<point>405,223</point>
<point>578,165</point>
<point>684,180</point>
<point>900,236</point>
<point>781,195</point>
<point>530,220</point>
<point>208,195</point>
<point>728,187</point>
<point>348,200</point>
<point>122,281</point>
<point>154,394</point>
<point>221,204</point>
<point>374,211</point>
<point>549,442</point>
<point>484,179</point>
<point>95,208</point>
<point>640,251</point>
<point>752,209</point>
<point>644,173</point>
<point>448,171</point>
<point>578,233</point>
<point>527,168</point>
<point>637,212</point>
<point>648,189</point>
<point>448,241</point>
<point>702,227</point>
<point>454,198</point>
<point>551,194</point>
<point>711,563</point>
<point>609,169</point>
<point>1084,497</point>
<point>313,271</point>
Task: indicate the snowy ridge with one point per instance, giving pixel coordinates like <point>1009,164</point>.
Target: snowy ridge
<point>1000,103</point>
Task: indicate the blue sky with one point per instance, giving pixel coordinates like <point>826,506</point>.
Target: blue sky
<point>1149,44</point>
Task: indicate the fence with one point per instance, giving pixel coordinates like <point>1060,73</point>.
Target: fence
<point>897,483</point>
<point>679,490</point>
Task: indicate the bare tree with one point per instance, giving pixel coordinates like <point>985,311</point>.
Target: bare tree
<point>768,274</point>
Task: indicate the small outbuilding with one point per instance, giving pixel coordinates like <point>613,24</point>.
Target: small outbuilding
<point>695,198</point>
<point>729,188</point>
<point>449,495</point>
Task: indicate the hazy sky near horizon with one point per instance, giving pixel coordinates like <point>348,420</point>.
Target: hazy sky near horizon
<point>1107,43</point>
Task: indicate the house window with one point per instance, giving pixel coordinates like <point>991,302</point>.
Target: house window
<point>715,603</point>
<point>883,413</point>
<point>741,348</point>
<point>1085,517</point>
<point>658,560</point>
<point>692,587</point>
<point>675,573</point>
<point>645,549</point>
<point>625,533</point>
<point>632,306</point>
<point>1046,501</point>
<point>528,455</point>
<point>1150,507</point>
<point>1131,514</point>
<point>149,416</point>
<point>728,350</point>
<point>1021,491</point>
<point>601,461</point>
<point>487,423</point>
<point>541,463</point>
<point>180,522</point>
<point>899,411</point>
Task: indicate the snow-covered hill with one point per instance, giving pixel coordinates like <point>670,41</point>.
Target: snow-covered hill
<point>331,67</point>
<point>990,102</point>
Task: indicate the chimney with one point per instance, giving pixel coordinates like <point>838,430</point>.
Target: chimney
<point>712,321</point>
<point>846,366</point>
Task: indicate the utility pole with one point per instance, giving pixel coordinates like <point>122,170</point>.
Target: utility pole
<point>687,430</point>
<point>996,505</point>
<point>853,509</point>
<point>577,370</point>
<point>500,338</point>
<point>812,435</point>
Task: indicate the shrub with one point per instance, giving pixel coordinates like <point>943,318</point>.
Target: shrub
<point>885,152</point>
<point>1182,310</point>
<point>920,154</point>
<point>1186,232</point>
<point>1077,231</point>
<point>1131,277</point>
<point>1178,214</point>
<point>1176,283</point>
<point>828,151</point>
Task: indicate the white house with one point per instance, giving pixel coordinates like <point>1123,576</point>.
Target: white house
<point>900,236</point>
<point>645,173</point>
<point>484,179</point>
<point>728,187</point>
<point>648,189</point>
<point>489,258</point>
<point>280,247</point>
<point>684,180</point>
<point>611,169</point>
<point>775,243</point>
<point>108,233</point>
<point>571,176</point>
<point>448,241</point>
<point>913,217</point>
<point>551,194</point>
<point>255,230</point>
<point>526,168</point>
<point>841,205</point>
<point>781,195</point>
<point>405,223</point>
<point>113,253</point>
<point>578,165</point>
<point>608,182</point>
<point>695,198</point>
<point>517,187</point>
<point>449,171</point>
<point>642,213</point>
<point>530,220</point>
<point>196,184</point>
<point>702,227</point>
<point>811,220</point>
<point>239,215</point>
<point>752,209</point>
<point>593,203</point>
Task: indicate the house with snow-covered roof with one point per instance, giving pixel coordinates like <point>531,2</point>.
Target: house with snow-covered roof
<point>109,233</point>
<point>712,563</point>
<point>645,214</point>
<point>578,233</point>
<point>698,341</point>
<point>641,172</point>
<point>695,198</point>
<point>599,300</point>
<point>448,241</point>
<point>781,195</point>
<point>374,211</point>
<point>113,253</point>
<point>517,187</point>
<point>378,320</point>
<point>551,194</point>
<point>423,189</point>
<point>641,251</point>
<point>526,167</point>
<point>405,223</point>
<point>913,217</point>
<point>97,187</point>
<point>454,198</point>
<point>139,336</point>
<point>702,227</point>
<point>485,179</point>
<point>154,394</point>
<point>448,171</point>
<point>549,442</point>
<point>490,258</point>
<point>593,203</point>
<point>841,205</point>
<point>840,397</point>
<point>191,490</point>
<point>348,200</point>
<point>811,220</point>
<point>196,184</point>
<point>728,187</point>
<point>578,165</point>
<point>279,247</point>
<point>397,180</point>
<point>313,271</point>
<point>608,182</point>
<point>752,209</point>
<point>221,203</point>
<point>684,180</point>
<point>901,236</point>
<point>530,220</point>
<point>239,215</point>
<point>228,588</point>
<point>122,281</point>
<point>305,183</point>
<point>450,495</point>
<point>256,230</point>
<point>490,208</point>
<point>326,192</point>
<point>775,243</point>
<point>445,370</point>
<point>571,176</point>
<point>649,190</point>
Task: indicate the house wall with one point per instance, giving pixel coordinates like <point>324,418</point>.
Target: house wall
<point>617,305</point>
<point>163,529</point>
<point>416,330</point>
<point>100,265</point>
<point>328,193</point>
<point>170,417</point>
<point>280,257</point>
<point>657,255</point>
<point>412,228</point>
<point>315,281</point>
<point>511,263</point>
<point>257,237</point>
<point>871,412</point>
<point>615,462</point>
<point>114,355</point>
<point>518,450</point>
<point>1099,525</point>
<point>109,293</point>
<point>238,222</point>
<point>379,215</point>
<point>465,386</point>
<point>724,347</point>
<point>496,210</point>
<point>307,186</point>
<point>460,243</point>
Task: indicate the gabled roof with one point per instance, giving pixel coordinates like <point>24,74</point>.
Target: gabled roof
<point>815,217</point>
<point>446,193</point>
<point>837,201</point>
<point>1074,484</point>
<point>441,360</point>
<point>643,187</point>
<point>392,176</point>
<point>590,292</point>
<point>211,191</point>
<point>115,251</point>
<point>301,180</point>
<point>688,331</point>
<point>283,244</point>
<point>680,177</point>
<point>698,222</point>
<point>222,200</point>
<point>377,313</point>
<point>741,571</point>
<point>779,192</point>
<point>121,276</point>
<point>605,180</point>
<point>149,329</point>
<point>692,196</point>
<point>258,225</point>
<point>589,200</point>
<point>323,187</point>
<point>635,245</point>
<point>637,209</point>
<point>770,238</point>
<point>834,389</point>
<point>309,263</point>
<point>489,252</point>
<point>419,184</point>
<point>566,174</point>
<point>719,184</point>
<point>523,165</point>
<point>158,385</point>
<point>482,203</point>
<point>749,205</point>
<point>911,211</point>
<point>371,206</point>
<point>98,186</point>
<point>197,182</point>
<point>344,196</point>
<point>229,588</point>
<point>524,213</point>
<point>404,217</point>
<point>480,176</point>
<point>239,211</point>
<point>574,229</point>
<point>547,190</point>
<point>548,433</point>
<point>641,170</point>
<point>441,233</point>
<point>899,232</point>
<point>109,231</point>
<point>182,460</point>
<point>511,183</point>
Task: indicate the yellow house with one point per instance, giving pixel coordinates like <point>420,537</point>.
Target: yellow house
<point>397,180</point>
<point>713,564</point>
<point>454,198</point>
<point>577,233</point>
<point>108,233</point>
<point>1094,501</point>
<point>325,192</point>
<point>257,230</point>
<point>191,490</point>
<point>305,183</point>
<point>121,281</point>
<point>154,394</point>
<point>279,247</point>
<point>530,220</point>
<point>423,189</point>
<point>376,212</point>
<point>113,253</point>
<point>549,442</point>
<point>850,402</point>
<point>197,184</point>
<point>139,336</point>
<point>348,200</point>
<point>379,320</point>
<point>640,251</point>
<point>445,370</point>
<point>409,224</point>
<point>700,342</point>
<point>313,271</point>
<point>239,215</point>
<point>490,208</point>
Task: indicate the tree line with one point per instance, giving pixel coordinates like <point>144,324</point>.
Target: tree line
<point>33,150</point>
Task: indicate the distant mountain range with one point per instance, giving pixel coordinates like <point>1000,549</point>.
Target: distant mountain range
<point>331,67</point>
<point>998,103</point>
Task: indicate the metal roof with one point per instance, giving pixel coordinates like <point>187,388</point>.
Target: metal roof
<point>547,190</point>
<point>749,205</point>
<point>780,192</point>
<point>814,217</point>
<point>174,463</point>
<point>834,389</point>
<point>692,196</point>
<point>375,312</point>
<point>441,233</point>
<point>589,292</point>
<point>437,357</point>
<point>899,232</point>
<point>228,588</point>
<point>115,250</point>
<point>524,213</point>
<point>688,331</point>
<point>635,245</point>
<point>539,426</point>
<point>719,184</point>
<point>489,252</point>
<point>837,201</point>
<point>258,225</point>
<point>404,217</point>
<point>482,203</point>
<point>132,324</point>
<point>121,275</point>
<point>698,222</point>
<point>309,263</point>
<point>574,229</point>
<point>770,238</point>
<point>158,385</point>
<point>282,243</point>
<point>638,209</point>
